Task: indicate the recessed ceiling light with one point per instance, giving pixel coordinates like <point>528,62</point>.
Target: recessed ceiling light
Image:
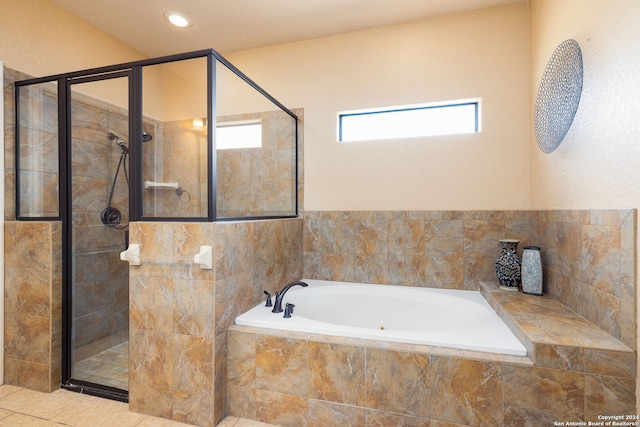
<point>178,19</point>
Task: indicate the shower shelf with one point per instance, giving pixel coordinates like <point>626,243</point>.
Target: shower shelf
<point>152,185</point>
<point>204,258</point>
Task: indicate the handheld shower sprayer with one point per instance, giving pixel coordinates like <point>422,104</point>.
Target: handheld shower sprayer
<point>120,142</point>
<point>111,216</point>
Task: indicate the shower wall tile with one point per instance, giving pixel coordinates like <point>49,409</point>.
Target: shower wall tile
<point>193,363</point>
<point>149,399</point>
<point>151,358</point>
<point>171,339</point>
<point>260,181</point>
<point>192,304</point>
<point>151,300</point>
<point>180,313</point>
<point>10,76</point>
<point>194,408</point>
<point>33,295</point>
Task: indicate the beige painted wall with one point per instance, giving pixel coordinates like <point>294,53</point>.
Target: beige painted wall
<point>40,38</point>
<point>598,163</point>
<point>481,54</point>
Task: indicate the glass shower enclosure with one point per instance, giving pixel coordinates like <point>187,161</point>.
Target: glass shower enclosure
<point>180,138</point>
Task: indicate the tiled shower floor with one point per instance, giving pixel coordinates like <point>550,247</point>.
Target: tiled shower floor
<point>110,367</point>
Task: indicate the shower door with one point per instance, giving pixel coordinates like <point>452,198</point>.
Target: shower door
<point>97,352</point>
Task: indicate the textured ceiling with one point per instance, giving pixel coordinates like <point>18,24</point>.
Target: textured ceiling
<point>233,25</point>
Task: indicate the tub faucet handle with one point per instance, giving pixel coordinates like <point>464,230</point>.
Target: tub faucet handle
<point>288,310</point>
<point>277,305</point>
<point>268,303</point>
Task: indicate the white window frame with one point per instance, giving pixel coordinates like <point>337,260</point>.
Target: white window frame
<point>223,144</point>
<point>389,132</point>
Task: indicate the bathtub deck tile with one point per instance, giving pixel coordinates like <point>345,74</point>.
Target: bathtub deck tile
<point>544,320</point>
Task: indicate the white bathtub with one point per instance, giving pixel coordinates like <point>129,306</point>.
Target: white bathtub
<point>438,317</point>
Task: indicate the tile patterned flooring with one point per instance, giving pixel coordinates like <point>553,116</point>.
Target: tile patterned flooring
<point>21,407</point>
<point>110,367</point>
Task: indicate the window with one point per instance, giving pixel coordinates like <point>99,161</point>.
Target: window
<point>243,134</point>
<point>453,117</point>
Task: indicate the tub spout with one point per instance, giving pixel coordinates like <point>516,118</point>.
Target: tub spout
<point>277,305</point>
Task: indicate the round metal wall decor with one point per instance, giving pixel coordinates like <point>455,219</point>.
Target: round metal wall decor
<point>558,95</point>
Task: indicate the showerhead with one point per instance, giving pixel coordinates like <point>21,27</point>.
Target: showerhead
<point>113,137</point>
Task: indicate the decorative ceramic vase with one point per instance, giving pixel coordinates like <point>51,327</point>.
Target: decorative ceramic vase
<point>508,265</point>
<point>531,270</point>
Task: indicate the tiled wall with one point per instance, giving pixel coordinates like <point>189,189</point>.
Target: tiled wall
<point>259,181</point>
<point>100,279</point>
<point>588,255</point>
<point>180,313</point>
<point>177,153</point>
<point>298,380</point>
<point>33,305</point>
<point>588,259</point>
<point>250,181</point>
<point>10,76</point>
<point>438,249</point>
